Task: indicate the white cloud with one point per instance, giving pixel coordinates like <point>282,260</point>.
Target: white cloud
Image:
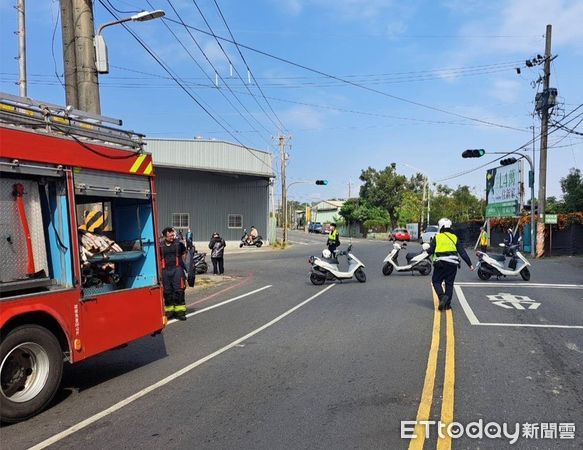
<point>304,117</point>
<point>507,91</point>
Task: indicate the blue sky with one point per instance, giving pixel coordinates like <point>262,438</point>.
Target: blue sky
<point>458,56</point>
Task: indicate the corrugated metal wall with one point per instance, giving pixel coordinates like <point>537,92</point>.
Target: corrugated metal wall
<point>210,155</point>
<point>209,198</point>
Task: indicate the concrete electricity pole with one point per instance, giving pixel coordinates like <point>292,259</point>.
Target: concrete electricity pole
<point>542,178</point>
<point>69,58</point>
<point>87,84</point>
<point>283,157</point>
<point>21,49</point>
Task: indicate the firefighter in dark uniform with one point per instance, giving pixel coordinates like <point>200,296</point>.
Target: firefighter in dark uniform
<point>446,249</point>
<point>173,280</point>
<point>333,239</point>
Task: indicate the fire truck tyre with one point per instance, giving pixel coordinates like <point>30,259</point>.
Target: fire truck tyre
<point>387,269</point>
<point>525,274</point>
<point>360,275</point>
<point>483,275</point>
<point>31,366</point>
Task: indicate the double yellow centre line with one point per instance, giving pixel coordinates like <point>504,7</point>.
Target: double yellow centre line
<point>447,404</point>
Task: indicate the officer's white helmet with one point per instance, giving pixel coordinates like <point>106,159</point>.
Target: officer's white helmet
<point>327,254</point>
<point>443,223</point>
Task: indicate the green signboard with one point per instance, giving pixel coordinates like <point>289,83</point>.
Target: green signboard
<point>550,219</point>
<point>502,209</point>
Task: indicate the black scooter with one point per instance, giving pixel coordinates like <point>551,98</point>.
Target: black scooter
<point>257,242</point>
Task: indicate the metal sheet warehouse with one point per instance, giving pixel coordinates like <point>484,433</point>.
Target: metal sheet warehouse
<point>211,185</point>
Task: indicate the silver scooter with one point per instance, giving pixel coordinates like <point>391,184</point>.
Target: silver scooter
<point>328,268</point>
<point>416,262</point>
<point>492,264</point>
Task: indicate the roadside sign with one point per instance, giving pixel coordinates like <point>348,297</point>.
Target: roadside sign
<point>550,219</point>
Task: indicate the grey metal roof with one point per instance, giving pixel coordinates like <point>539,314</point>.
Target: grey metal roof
<point>208,155</point>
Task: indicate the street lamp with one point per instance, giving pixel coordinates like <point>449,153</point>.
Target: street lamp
<point>477,153</point>
<point>101,62</point>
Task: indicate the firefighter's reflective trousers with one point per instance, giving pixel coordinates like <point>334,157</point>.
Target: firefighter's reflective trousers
<point>174,285</point>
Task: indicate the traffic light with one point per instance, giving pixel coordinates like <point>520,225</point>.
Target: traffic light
<point>322,182</point>
<point>508,161</point>
<point>474,153</point>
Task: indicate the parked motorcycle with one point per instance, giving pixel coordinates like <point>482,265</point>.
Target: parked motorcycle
<point>327,267</point>
<point>200,264</point>
<point>257,242</point>
<point>493,264</point>
<point>416,262</point>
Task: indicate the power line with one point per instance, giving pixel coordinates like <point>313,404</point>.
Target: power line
<point>385,94</point>
<point>280,126</point>
<point>208,77</point>
<point>247,65</point>
<point>164,66</point>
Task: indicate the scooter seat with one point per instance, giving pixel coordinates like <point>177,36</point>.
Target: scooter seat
<point>412,255</point>
<point>501,258</point>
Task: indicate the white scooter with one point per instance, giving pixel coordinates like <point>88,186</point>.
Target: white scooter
<point>327,268</point>
<point>489,265</point>
<point>416,262</point>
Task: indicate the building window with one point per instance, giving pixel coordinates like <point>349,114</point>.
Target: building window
<point>181,221</point>
<point>235,221</point>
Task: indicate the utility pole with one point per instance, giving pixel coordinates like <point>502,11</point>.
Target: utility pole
<point>283,158</point>
<point>69,58</point>
<point>423,202</point>
<point>542,177</point>
<point>87,83</point>
<point>21,49</point>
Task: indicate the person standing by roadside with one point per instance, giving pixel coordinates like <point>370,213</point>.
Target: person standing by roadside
<point>484,240</point>
<point>173,281</point>
<point>217,246</point>
<point>333,239</point>
<point>446,249</point>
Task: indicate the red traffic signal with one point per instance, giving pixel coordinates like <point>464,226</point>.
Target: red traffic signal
<point>473,153</point>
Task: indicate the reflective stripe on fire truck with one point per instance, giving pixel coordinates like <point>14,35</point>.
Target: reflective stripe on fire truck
<point>137,163</point>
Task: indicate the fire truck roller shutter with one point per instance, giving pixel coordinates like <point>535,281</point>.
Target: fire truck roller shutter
<point>107,184</point>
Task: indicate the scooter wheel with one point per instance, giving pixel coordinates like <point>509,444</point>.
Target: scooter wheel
<point>387,269</point>
<point>240,245</point>
<point>360,275</point>
<point>259,244</point>
<point>425,268</point>
<point>316,279</point>
<point>483,275</point>
<point>525,274</point>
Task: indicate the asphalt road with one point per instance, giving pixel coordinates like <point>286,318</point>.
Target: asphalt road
<point>266,360</point>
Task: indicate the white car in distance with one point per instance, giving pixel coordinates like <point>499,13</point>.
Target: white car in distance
<point>428,234</point>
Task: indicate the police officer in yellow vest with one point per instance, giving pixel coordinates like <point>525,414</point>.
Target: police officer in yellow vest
<point>333,238</point>
<point>446,249</point>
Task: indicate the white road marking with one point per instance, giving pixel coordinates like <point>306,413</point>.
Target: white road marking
<point>530,325</point>
<point>519,285</point>
<point>69,431</point>
<point>194,313</point>
<point>465,305</point>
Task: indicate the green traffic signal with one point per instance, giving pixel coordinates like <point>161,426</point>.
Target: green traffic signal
<point>322,182</point>
<point>474,153</point>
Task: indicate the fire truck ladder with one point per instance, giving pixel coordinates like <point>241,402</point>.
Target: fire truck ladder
<point>22,111</point>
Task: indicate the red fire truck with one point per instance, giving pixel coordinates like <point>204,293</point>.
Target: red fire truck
<point>79,242</point>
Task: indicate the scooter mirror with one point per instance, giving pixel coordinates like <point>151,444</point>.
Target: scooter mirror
<point>502,244</point>
<point>425,246</point>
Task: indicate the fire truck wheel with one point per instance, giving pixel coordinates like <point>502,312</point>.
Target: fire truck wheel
<point>31,366</point>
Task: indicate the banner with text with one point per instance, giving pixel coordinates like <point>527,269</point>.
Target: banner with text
<point>504,191</point>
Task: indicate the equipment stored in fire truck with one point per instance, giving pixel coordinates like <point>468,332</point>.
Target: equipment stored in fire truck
<point>78,239</point>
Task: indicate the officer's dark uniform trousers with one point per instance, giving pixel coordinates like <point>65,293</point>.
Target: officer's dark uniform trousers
<point>173,280</point>
<point>444,272</point>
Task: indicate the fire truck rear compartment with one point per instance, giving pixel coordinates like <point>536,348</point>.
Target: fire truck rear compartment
<point>46,216</point>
